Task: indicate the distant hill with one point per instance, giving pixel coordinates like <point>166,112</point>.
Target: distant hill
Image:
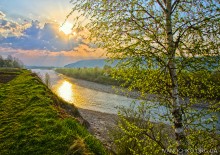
<point>40,67</point>
<point>89,63</point>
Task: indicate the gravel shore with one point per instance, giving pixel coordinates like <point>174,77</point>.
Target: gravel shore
<point>100,123</point>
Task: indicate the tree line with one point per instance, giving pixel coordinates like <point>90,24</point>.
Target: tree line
<point>11,62</point>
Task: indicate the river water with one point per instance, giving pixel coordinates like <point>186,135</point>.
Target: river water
<point>95,100</point>
<point>83,97</point>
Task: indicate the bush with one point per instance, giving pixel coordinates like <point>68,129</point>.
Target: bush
<point>142,130</point>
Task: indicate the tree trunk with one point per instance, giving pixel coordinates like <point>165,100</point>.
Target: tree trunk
<point>177,110</point>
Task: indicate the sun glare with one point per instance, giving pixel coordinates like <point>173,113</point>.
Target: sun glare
<point>65,91</point>
<point>66,28</point>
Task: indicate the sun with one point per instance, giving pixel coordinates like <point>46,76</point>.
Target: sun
<point>66,28</point>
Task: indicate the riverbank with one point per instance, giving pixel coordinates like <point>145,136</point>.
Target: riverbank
<point>100,124</point>
<point>35,121</point>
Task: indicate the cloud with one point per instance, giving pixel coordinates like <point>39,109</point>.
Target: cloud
<point>9,28</point>
<point>2,15</point>
<point>36,37</point>
<point>35,43</point>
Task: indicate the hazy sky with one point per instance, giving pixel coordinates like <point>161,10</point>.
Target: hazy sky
<point>30,31</point>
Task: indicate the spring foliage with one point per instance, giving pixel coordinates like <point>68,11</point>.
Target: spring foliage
<point>158,41</point>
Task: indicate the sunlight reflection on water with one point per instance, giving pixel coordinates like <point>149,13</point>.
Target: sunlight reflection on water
<point>65,91</point>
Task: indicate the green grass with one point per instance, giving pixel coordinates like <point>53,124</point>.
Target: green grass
<point>34,121</point>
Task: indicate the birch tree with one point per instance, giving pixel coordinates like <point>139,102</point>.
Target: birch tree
<point>160,38</point>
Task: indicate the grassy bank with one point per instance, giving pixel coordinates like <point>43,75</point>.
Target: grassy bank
<point>34,121</point>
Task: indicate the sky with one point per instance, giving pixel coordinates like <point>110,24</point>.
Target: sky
<point>32,31</point>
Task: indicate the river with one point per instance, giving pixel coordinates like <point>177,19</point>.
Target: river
<point>90,99</point>
<point>84,97</point>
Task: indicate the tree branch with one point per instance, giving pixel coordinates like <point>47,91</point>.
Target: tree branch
<point>175,4</point>
<point>161,5</point>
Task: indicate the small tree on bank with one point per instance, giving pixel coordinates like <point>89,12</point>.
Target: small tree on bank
<point>160,42</point>
<point>47,80</point>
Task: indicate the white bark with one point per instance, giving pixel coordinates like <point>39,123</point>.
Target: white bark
<point>177,111</point>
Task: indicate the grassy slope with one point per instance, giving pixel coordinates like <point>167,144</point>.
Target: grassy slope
<point>32,121</point>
